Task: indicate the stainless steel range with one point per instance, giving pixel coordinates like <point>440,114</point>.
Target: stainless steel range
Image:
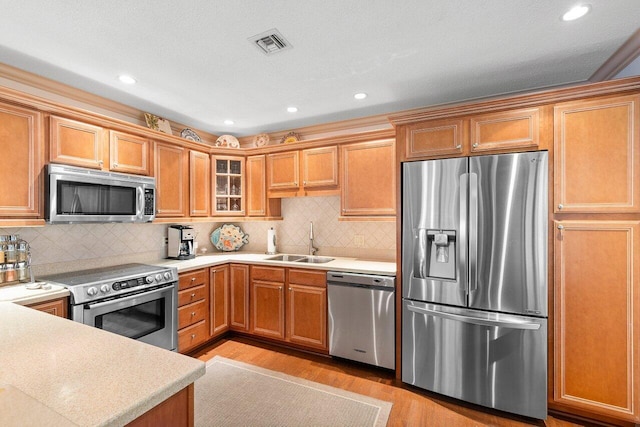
<point>134,300</point>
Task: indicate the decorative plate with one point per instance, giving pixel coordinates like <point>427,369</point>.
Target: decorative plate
<point>157,123</point>
<point>290,137</point>
<point>261,140</point>
<point>190,135</point>
<point>227,141</point>
<point>229,237</point>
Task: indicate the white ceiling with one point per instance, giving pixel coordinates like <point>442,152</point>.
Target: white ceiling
<point>195,65</point>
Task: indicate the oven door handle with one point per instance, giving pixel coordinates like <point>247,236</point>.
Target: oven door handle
<point>120,300</point>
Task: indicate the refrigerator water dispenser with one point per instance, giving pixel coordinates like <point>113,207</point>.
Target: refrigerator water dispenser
<point>436,254</point>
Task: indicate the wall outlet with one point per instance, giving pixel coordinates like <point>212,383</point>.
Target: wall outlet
<point>166,241</point>
<point>358,240</point>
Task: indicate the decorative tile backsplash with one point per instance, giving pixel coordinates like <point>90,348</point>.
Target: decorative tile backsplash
<point>66,247</point>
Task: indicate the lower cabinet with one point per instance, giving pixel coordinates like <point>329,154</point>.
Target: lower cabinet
<point>218,300</point>
<point>597,318</point>
<point>57,307</point>
<point>193,309</point>
<point>239,297</point>
<point>289,305</point>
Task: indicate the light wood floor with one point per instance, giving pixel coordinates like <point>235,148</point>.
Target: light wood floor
<point>411,407</point>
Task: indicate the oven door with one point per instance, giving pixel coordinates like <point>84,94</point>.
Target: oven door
<point>150,317</point>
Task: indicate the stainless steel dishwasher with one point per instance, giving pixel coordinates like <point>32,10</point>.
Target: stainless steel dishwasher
<point>362,317</point>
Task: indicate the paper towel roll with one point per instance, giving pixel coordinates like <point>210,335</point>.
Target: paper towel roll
<point>271,241</point>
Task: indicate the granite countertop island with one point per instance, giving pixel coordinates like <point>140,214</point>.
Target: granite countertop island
<point>54,371</point>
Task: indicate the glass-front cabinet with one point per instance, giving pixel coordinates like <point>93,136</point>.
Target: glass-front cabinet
<point>229,192</point>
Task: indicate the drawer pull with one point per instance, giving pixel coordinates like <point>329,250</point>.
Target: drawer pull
<point>193,336</point>
<point>193,279</point>
<point>193,313</point>
<point>193,295</point>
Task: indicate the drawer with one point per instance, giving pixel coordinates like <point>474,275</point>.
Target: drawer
<point>192,313</point>
<point>190,295</point>
<point>192,278</point>
<point>192,336</point>
<point>269,274</point>
<point>308,277</point>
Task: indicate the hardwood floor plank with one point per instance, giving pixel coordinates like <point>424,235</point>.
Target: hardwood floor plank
<point>411,406</point>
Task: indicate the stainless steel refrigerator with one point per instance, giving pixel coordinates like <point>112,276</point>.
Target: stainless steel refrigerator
<point>474,279</point>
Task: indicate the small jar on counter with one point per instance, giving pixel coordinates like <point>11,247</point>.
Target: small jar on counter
<point>22,251</point>
<point>2,278</point>
<point>10,253</point>
<point>10,274</point>
<point>23,271</point>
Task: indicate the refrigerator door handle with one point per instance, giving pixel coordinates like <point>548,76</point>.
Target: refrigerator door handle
<point>462,246</point>
<point>473,232</point>
<point>511,324</point>
<point>420,254</point>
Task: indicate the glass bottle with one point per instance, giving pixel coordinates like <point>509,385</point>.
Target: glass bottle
<point>10,273</point>
<point>23,271</point>
<point>23,250</point>
<point>10,253</point>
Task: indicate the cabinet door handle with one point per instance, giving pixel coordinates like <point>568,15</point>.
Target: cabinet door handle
<point>475,145</point>
<point>115,165</point>
<point>304,182</point>
<point>560,206</point>
<point>290,289</point>
<point>560,227</point>
<point>458,146</point>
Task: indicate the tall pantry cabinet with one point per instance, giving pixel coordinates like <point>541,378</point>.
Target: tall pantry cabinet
<point>596,240</point>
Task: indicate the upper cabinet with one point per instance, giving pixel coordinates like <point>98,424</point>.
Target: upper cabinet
<point>76,143</point>
<point>313,171</point>
<point>128,153</point>
<point>229,197</point>
<point>511,130</point>
<point>369,178</point>
<point>199,183</point>
<point>80,144</point>
<point>172,175</point>
<point>21,160</point>
<point>257,203</point>
<point>597,167</point>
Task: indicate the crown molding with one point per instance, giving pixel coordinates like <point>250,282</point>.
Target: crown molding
<point>622,57</point>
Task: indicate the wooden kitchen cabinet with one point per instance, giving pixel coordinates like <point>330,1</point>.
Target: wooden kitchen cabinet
<point>128,153</point>
<point>597,161</point>
<point>57,307</point>
<point>257,203</point>
<point>267,302</point>
<point>517,129</point>
<point>239,297</point>
<point>21,162</point>
<point>219,300</point>
<point>193,309</point>
<point>306,312</point>
<point>313,171</point>
<point>199,183</point>
<point>369,179</point>
<point>172,174</point>
<point>229,192</point>
<point>597,318</point>
<point>75,143</point>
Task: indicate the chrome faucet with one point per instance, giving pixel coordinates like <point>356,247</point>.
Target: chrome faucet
<point>312,249</point>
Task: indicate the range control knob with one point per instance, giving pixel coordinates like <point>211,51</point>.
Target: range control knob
<point>158,277</point>
<point>92,291</point>
<point>105,288</point>
<point>148,279</point>
<point>167,275</point>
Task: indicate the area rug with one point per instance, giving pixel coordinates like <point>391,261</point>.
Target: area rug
<point>233,393</point>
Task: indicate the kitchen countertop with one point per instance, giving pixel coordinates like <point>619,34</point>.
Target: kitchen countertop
<point>344,264</point>
<point>20,294</point>
<point>88,376</point>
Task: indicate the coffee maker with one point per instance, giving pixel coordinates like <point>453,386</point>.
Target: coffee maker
<point>181,242</point>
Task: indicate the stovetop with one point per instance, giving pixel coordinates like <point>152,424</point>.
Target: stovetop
<point>107,282</point>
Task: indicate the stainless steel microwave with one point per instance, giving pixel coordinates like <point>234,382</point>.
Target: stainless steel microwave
<point>86,195</point>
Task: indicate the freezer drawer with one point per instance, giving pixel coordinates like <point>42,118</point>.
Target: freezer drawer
<point>491,359</point>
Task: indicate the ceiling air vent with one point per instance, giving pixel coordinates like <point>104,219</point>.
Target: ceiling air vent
<point>270,42</point>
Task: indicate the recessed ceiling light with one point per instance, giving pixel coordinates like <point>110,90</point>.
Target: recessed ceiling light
<point>229,122</point>
<point>360,95</point>
<point>126,79</point>
<point>292,109</point>
<point>576,12</point>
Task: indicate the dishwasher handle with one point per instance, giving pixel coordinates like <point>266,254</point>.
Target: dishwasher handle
<point>365,280</point>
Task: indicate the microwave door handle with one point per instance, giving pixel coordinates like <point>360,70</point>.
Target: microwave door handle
<point>140,207</point>
<point>511,324</point>
<point>473,232</point>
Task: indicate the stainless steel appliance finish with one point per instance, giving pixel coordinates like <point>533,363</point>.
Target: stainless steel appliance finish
<point>134,300</point>
<point>181,242</point>
<point>474,268</point>
<point>362,317</point>
<point>86,195</point>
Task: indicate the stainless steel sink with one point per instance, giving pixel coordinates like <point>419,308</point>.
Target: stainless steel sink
<point>286,257</point>
<point>315,259</point>
<point>301,258</point>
